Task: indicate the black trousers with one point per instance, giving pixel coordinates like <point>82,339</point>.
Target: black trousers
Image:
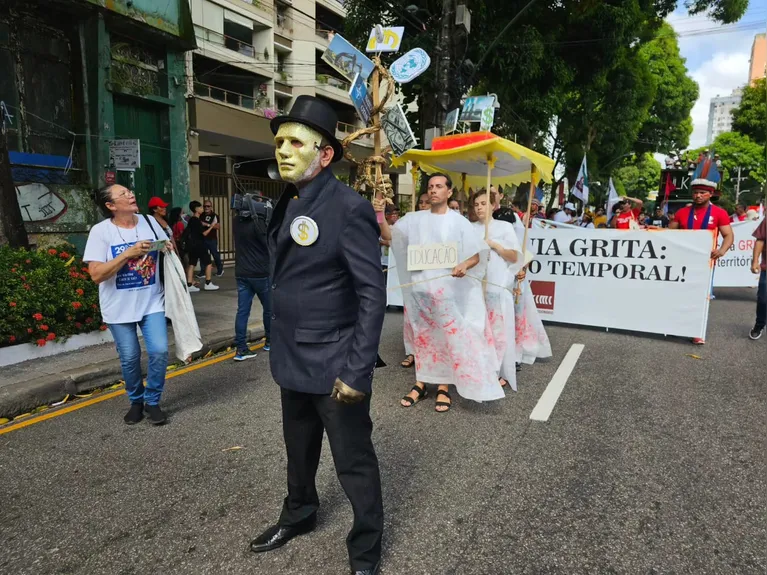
<point>304,418</point>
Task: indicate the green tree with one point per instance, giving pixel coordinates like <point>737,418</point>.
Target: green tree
<point>668,125</point>
<point>637,176</point>
<point>750,118</point>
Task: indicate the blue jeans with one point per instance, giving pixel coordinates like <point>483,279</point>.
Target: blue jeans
<point>246,289</point>
<point>155,333</point>
<point>761,301</point>
<point>212,247</point>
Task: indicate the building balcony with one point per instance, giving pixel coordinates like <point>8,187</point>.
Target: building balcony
<point>262,9</point>
<point>335,6</point>
<point>256,104</point>
<point>322,37</point>
<point>332,87</point>
<point>283,25</point>
<point>282,89</point>
<point>344,130</point>
<point>282,43</point>
<point>223,48</point>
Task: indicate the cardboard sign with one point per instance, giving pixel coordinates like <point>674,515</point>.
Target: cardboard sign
<point>397,130</point>
<point>432,256</point>
<point>488,116</point>
<point>410,66</point>
<point>392,40</point>
<point>347,60</point>
<point>473,108</point>
<point>361,99</point>
<point>451,121</point>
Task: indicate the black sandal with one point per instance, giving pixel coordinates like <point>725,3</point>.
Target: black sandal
<point>439,403</point>
<point>408,362</point>
<point>421,394</point>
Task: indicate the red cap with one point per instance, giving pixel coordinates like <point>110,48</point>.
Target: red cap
<point>156,202</point>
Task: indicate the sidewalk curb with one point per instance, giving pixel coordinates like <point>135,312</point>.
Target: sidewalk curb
<point>25,395</point>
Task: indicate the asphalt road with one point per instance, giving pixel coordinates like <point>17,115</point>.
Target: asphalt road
<point>652,462</point>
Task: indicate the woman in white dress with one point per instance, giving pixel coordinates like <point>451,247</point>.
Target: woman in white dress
<point>505,251</point>
<point>531,339</point>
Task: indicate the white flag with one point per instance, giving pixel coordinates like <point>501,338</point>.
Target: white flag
<point>612,199</point>
<point>581,188</point>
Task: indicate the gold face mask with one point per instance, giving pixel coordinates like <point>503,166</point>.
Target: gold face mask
<point>297,152</point>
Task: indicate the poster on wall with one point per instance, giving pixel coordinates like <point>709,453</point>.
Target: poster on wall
<point>125,154</point>
<point>583,277</point>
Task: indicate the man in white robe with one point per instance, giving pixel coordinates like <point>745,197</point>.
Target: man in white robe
<point>450,338</point>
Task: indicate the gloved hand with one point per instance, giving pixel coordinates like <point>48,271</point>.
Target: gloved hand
<point>342,393</point>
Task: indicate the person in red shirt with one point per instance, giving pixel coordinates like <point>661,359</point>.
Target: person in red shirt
<point>740,213</point>
<point>628,214</point>
<point>702,214</point>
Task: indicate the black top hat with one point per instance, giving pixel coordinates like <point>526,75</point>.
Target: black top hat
<point>316,114</point>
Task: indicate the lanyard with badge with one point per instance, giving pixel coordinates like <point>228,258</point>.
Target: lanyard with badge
<point>691,219</point>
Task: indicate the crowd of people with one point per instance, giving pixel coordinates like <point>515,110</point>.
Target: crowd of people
<point>315,263</point>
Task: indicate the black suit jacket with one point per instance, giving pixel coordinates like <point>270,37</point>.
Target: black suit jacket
<point>329,298</point>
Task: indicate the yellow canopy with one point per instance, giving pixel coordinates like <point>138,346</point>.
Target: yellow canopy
<point>511,162</point>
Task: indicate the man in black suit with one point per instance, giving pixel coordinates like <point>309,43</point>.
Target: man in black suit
<point>328,306</point>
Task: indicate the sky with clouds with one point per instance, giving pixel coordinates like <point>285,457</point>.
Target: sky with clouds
<point>717,56</point>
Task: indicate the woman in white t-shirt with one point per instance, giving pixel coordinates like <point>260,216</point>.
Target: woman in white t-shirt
<point>121,261</point>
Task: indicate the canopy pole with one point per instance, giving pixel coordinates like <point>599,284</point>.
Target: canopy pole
<point>489,211</point>
<point>414,174</point>
<point>463,188</point>
<point>527,219</point>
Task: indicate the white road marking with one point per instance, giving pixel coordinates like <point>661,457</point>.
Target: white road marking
<point>551,394</point>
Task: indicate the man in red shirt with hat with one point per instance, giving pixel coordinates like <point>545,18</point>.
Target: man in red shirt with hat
<point>702,214</point>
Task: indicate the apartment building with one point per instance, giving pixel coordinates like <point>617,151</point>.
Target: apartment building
<point>720,114</point>
<point>757,65</point>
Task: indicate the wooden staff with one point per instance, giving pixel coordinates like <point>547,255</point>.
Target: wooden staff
<point>414,173</point>
<point>526,220</point>
<point>489,211</point>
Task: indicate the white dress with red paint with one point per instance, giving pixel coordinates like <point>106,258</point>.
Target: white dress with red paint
<point>446,318</point>
<point>499,299</point>
<point>531,339</point>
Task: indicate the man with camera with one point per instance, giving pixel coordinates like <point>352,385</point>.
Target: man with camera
<point>251,267</point>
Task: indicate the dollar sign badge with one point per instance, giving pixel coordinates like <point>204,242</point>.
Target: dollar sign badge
<point>303,231</point>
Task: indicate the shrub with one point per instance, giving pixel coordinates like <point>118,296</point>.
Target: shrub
<point>46,295</point>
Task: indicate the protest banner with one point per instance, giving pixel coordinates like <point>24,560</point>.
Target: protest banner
<point>652,282</point>
<point>734,269</point>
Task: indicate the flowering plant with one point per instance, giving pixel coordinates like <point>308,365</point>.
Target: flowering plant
<point>46,295</point>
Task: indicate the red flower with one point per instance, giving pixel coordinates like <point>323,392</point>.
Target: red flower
<point>40,343</point>
<point>78,325</point>
<point>29,330</point>
<point>77,304</point>
<point>28,262</point>
<point>64,256</point>
<point>88,319</point>
<point>12,304</point>
<point>13,270</point>
<point>12,338</point>
<point>26,287</point>
<point>38,316</point>
<point>23,278</point>
<point>85,269</point>
<point>69,318</point>
<point>80,291</point>
<point>51,336</point>
<point>43,327</point>
<point>53,253</point>
<point>94,306</point>
<point>103,327</point>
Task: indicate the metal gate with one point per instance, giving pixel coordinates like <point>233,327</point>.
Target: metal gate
<point>218,189</point>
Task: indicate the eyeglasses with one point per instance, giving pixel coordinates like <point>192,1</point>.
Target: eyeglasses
<point>207,206</point>
<point>124,194</point>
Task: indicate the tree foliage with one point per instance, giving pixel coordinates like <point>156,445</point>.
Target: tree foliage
<point>637,176</point>
<point>737,150</point>
<point>600,76</point>
<point>750,118</point>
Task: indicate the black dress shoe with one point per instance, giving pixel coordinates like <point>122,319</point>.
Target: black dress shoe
<point>276,536</point>
<point>371,571</point>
